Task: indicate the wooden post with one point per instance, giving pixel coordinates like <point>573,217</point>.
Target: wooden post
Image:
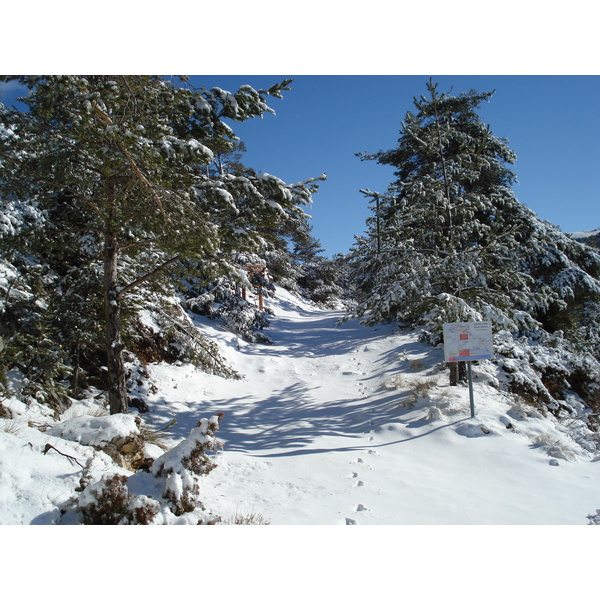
<point>259,270</point>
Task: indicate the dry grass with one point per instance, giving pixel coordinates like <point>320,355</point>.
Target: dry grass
<point>251,519</point>
<point>416,365</point>
<point>420,388</point>
<point>554,447</point>
<point>155,436</point>
<point>393,383</point>
<point>11,426</point>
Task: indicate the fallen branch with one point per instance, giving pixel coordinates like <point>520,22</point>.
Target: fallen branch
<point>72,459</point>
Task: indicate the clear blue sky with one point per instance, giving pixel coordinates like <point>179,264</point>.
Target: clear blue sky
<point>551,122</point>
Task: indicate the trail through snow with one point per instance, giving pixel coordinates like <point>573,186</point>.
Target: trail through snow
<point>334,424</point>
<point>331,425</point>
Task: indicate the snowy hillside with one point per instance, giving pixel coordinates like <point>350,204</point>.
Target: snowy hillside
<point>331,425</point>
<point>591,236</point>
<point>585,234</point>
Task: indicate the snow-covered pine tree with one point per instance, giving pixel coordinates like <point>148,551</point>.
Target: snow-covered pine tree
<point>317,275</point>
<point>260,225</point>
<point>28,328</point>
<point>131,154</point>
<point>450,242</point>
<point>444,235</point>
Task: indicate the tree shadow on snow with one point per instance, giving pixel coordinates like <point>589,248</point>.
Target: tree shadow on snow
<point>290,419</point>
<point>321,336</point>
<point>306,451</point>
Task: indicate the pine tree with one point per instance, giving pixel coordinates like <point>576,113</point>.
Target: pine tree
<point>448,225</point>
<point>317,275</point>
<point>450,242</point>
<point>260,227</point>
<point>130,153</point>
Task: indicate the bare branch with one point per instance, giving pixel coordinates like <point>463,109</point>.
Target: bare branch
<point>72,459</point>
<point>148,276</point>
<point>138,173</point>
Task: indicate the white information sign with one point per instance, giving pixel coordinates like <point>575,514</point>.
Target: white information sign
<point>468,341</point>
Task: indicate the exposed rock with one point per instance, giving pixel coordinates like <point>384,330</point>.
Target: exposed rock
<point>118,435</point>
<point>126,452</point>
<point>4,412</point>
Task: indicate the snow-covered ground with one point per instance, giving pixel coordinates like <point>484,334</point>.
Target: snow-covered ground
<point>585,234</point>
<point>333,425</point>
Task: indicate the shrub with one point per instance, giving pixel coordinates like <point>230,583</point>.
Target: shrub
<point>182,466</point>
<point>175,474</point>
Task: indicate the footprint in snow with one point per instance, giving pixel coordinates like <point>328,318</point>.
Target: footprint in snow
<point>351,522</point>
<point>361,508</point>
<point>362,462</point>
<point>359,483</point>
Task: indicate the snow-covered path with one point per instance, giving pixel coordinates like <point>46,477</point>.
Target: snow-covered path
<point>317,433</point>
<point>332,425</point>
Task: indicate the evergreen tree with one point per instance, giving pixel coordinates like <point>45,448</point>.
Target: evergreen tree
<point>130,155</point>
<point>255,217</point>
<point>450,242</point>
<point>317,276</point>
<point>449,224</point>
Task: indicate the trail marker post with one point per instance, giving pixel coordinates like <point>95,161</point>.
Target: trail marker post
<point>260,270</point>
<point>468,342</point>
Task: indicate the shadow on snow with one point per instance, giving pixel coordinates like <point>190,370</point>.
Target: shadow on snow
<point>294,416</point>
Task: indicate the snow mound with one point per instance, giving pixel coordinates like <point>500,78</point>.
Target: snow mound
<point>96,431</point>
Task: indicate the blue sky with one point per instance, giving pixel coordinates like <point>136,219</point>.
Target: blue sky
<point>552,123</point>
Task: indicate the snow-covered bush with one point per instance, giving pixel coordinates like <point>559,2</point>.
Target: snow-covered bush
<point>546,372</point>
<point>224,301</point>
<point>180,468</point>
<point>163,331</point>
<point>168,493</point>
<point>108,502</point>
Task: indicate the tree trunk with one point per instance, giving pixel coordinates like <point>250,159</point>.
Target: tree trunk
<point>458,372</point>
<point>117,389</point>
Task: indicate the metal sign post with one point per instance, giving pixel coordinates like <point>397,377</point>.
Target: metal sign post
<point>471,397</point>
<point>468,342</point>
